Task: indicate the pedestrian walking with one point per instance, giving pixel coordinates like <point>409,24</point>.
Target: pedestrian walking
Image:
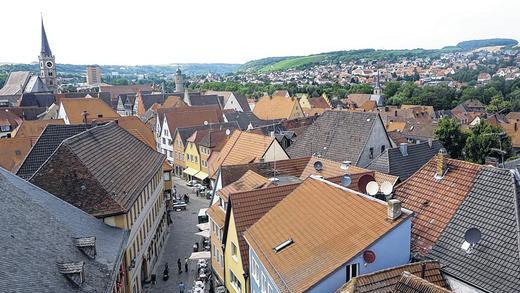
<point>179,265</point>
<point>182,287</point>
<point>186,264</point>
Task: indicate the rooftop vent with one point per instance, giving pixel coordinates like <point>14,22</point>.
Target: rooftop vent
<point>87,245</point>
<point>442,164</point>
<point>471,238</point>
<point>318,166</point>
<point>345,165</point>
<point>73,271</point>
<point>283,245</point>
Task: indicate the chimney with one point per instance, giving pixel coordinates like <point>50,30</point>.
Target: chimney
<point>430,142</point>
<point>386,108</point>
<point>394,209</point>
<point>441,163</point>
<point>403,147</point>
<point>491,161</point>
<point>93,122</point>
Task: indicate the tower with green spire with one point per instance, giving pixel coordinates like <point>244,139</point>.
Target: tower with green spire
<point>47,63</point>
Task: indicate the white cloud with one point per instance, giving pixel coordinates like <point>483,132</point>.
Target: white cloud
<point>160,32</point>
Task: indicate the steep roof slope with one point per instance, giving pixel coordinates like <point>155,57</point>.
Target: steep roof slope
<point>39,229</point>
<point>47,143</point>
<point>33,128</point>
<point>392,161</point>
<point>299,218</point>
<point>491,206</point>
<point>336,135</point>
<point>275,107</point>
<point>137,128</point>
<point>434,201</point>
<point>96,108</point>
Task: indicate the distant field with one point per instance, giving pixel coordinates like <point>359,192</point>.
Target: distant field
<point>491,49</point>
<point>293,63</point>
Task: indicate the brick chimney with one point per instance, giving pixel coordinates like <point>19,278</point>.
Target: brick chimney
<point>403,147</point>
<point>442,163</point>
<point>393,209</point>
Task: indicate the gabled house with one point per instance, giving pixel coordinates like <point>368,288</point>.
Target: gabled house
<point>52,246</point>
<point>232,101</point>
<point>245,147</point>
<point>278,107</point>
<point>301,256</point>
<point>95,172</point>
<point>469,106</point>
<point>358,137</point>
<point>8,123</point>
<point>85,110</point>
<point>406,159</point>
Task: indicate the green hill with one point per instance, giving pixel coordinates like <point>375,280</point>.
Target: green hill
<point>298,62</point>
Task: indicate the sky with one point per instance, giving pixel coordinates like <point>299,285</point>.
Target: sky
<point>236,31</point>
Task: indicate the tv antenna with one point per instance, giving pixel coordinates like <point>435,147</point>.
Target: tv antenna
<point>386,188</point>
<point>372,188</point>
<point>318,166</point>
<point>346,180</point>
<point>471,238</point>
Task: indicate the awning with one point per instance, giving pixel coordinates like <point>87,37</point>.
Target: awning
<point>203,226</point>
<point>204,233</point>
<point>190,171</point>
<point>201,175</point>
<point>200,255</point>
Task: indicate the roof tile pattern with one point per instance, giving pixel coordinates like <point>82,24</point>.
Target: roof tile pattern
<point>13,151</point>
<point>96,108</point>
<point>295,268</point>
<point>249,206</point>
<point>434,201</point>
<point>384,281</point>
<point>275,107</point>
<point>492,207</point>
<point>410,283</point>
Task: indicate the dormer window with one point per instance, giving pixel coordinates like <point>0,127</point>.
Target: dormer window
<point>87,245</point>
<point>73,271</point>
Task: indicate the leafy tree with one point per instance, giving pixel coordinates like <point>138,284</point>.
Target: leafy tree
<point>498,104</point>
<point>361,89</point>
<point>487,140</point>
<point>391,88</point>
<point>449,134</point>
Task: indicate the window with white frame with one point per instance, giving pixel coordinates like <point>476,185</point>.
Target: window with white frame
<point>234,251</point>
<point>235,282</point>
<point>254,271</point>
<point>352,271</point>
<point>263,285</point>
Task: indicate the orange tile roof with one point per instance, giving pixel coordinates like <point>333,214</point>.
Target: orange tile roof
<point>174,102</point>
<point>33,128</point>
<point>395,126</point>
<point>13,151</point>
<point>249,181</point>
<point>434,201</point>
<point>513,130</point>
<point>369,105</point>
<point>298,217</point>
<point>191,116</point>
<point>217,215</point>
<point>137,128</point>
<point>385,280</point>
<point>241,148</point>
<point>96,108</point>
<point>249,206</point>
<point>275,107</point>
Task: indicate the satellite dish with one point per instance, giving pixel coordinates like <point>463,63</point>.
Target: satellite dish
<point>206,122</point>
<point>363,181</point>
<point>472,236</point>
<point>372,188</point>
<point>228,132</point>
<point>386,188</point>
<point>318,166</point>
<point>346,180</point>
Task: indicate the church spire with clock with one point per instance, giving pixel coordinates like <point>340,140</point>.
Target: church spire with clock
<point>47,64</point>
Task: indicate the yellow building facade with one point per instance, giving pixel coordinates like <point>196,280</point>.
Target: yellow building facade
<point>234,271</point>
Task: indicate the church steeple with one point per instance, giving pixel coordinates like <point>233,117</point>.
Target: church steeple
<point>47,64</point>
<point>46,49</point>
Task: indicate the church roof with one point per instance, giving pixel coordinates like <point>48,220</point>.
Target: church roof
<point>46,49</point>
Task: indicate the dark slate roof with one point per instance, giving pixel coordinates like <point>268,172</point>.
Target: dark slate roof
<point>393,162</point>
<point>150,99</point>
<point>206,100</point>
<point>246,118</point>
<point>47,143</point>
<point>46,49</point>
<point>335,135</point>
<point>242,101</point>
<point>27,113</point>
<point>118,162</point>
<point>37,100</point>
<point>491,206</point>
<point>38,230</point>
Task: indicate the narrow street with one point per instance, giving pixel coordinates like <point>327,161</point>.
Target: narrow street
<point>179,244</point>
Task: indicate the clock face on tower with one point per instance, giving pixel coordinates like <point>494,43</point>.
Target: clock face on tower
<point>49,64</point>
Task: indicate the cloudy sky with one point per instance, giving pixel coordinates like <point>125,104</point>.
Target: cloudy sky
<point>235,31</point>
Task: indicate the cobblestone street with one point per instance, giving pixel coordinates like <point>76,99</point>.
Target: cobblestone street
<point>180,244</point>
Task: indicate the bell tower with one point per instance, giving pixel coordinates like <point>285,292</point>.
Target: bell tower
<point>47,64</point>
<point>179,81</point>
